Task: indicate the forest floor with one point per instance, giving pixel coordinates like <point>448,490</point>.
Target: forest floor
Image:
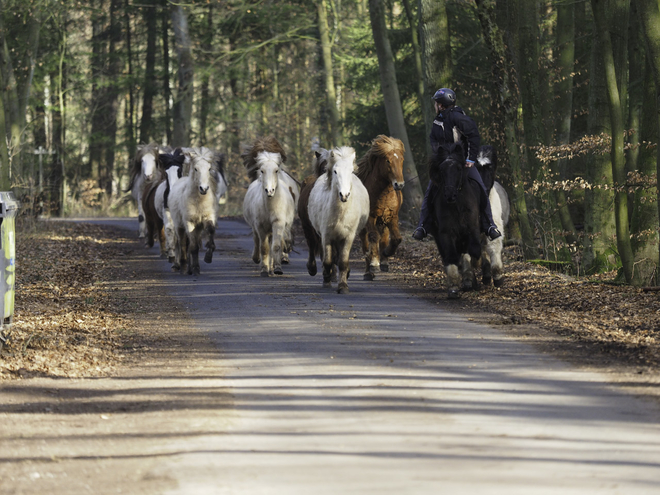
<point>72,321</point>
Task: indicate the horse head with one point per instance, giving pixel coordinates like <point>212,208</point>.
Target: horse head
<point>487,165</point>
<point>200,172</point>
<point>268,165</point>
<point>394,157</point>
<point>149,163</point>
<point>447,170</point>
<point>340,171</point>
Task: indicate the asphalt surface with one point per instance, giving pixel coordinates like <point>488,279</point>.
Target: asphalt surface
<point>303,391</point>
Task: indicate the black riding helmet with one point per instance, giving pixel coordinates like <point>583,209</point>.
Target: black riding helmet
<point>445,96</point>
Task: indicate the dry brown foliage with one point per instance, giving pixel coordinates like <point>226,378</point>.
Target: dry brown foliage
<point>67,321</point>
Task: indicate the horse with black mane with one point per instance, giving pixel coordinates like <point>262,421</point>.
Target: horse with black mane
<point>455,226</point>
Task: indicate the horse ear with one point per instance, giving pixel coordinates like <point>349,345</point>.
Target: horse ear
<point>332,154</point>
<point>317,154</point>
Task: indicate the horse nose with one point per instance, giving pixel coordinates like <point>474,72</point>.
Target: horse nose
<point>270,191</point>
<point>203,190</point>
<point>398,185</point>
<point>344,197</point>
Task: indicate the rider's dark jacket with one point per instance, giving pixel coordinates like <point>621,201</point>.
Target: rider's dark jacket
<point>451,125</point>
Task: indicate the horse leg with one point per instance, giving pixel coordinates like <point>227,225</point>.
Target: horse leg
<point>256,251</point>
<point>142,225</point>
<point>194,236</point>
<point>366,251</point>
<point>182,251</point>
<point>486,265</point>
<point>278,241</point>
<point>169,237</point>
<point>210,244</point>
<point>312,247</point>
<point>390,241</point>
<point>453,281</point>
<point>494,250</point>
<point>162,241</point>
<point>468,279</point>
<point>343,253</point>
<point>265,255</point>
<point>328,265</point>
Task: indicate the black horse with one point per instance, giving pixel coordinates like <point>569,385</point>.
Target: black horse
<point>455,208</point>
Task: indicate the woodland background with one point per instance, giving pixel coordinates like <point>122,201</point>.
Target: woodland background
<point>566,90</point>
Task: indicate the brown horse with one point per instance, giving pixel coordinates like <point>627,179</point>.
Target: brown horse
<point>152,219</point>
<point>381,172</point>
<point>311,236</point>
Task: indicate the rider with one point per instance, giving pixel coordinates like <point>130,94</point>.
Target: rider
<point>452,125</point>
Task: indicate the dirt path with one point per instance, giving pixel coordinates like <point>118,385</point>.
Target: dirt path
<point>251,385</point>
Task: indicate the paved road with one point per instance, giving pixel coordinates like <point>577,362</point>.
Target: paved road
<point>305,391</point>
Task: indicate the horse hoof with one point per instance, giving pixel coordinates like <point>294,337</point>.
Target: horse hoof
<point>278,271</point>
<point>368,276</point>
<point>175,268</point>
<point>208,257</point>
<point>498,283</point>
<point>486,281</point>
<point>264,274</point>
<point>195,271</point>
<point>343,290</point>
<point>312,270</point>
<point>285,260</point>
<point>453,294</point>
<point>256,260</point>
<point>327,285</point>
<point>170,259</point>
<point>384,267</point>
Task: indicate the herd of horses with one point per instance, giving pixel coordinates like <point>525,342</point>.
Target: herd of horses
<point>178,193</point>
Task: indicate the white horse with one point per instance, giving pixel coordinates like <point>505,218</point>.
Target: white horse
<point>491,251</point>
<point>144,169</point>
<point>173,164</point>
<point>338,209</point>
<point>194,209</point>
<point>217,170</point>
<point>269,208</point>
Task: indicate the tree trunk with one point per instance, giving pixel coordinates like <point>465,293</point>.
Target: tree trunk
<point>414,37</point>
<point>506,100</point>
<point>5,181</point>
<point>17,81</point>
<point>184,97</point>
<point>328,75</point>
<point>599,226</point>
<point>412,193</point>
<point>167,93</point>
<point>98,62</point>
<point>612,78</point>
<point>149,15</point>
<point>437,65</point>
<point>205,100</point>
<point>130,121</point>
<point>650,14</point>
<point>564,105</point>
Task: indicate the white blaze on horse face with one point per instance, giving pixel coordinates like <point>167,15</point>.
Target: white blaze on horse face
<point>173,174</point>
<point>148,166</point>
<point>201,173</point>
<point>398,181</point>
<point>269,168</point>
<point>342,174</point>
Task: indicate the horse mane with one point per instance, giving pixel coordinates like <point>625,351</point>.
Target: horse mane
<point>381,147</point>
<point>320,164</point>
<point>136,165</point>
<point>249,154</point>
<point>172,159</point>
<point>453,151</point>
<point>334,156</point>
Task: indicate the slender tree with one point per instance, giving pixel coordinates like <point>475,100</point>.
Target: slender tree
<point>328,74</point>
<point>184,97</point>
<point>150,82</point>
<point>412,193</point>
<point>506,99</point>
<point>617,151</point>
